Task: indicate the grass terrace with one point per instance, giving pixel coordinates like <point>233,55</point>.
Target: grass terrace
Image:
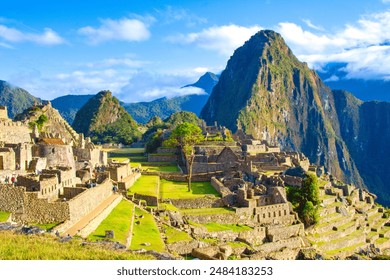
<point>211,227</point>
<point>47,227</point>
<point>145,231</point>
<point>24,247</point>
<point>173,235</point>
<point>118,220</point>
<point>4,216</point>
<point>145,185</point>
<point>179,190</point>
<point>136,155</point>
<point>166,168</point>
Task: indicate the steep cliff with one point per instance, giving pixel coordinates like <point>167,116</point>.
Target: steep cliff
<point>267,92</point>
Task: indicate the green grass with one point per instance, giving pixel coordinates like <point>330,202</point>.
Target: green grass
<point>206,211</point>
<point>146,232</point>
<point>118,220</point>
<point>169,168</point>
<point>345,249</point>
<point>145,185</point>
<point>179,190</point>
<point>173,235</point>
<point>211,227</point>
<point>4,216</point>
<point>167,206</point>
<point>46,247</point>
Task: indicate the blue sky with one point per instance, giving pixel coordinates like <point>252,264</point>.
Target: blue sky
<point>143,50</point>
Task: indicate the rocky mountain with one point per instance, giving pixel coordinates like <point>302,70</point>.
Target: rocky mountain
<point>142,112</point>
<point>16,99</point>
<point>68,105</point>
<point>104,120</point>
<point>365,128</point>
<point>273,96</point>
<point>206,82</point>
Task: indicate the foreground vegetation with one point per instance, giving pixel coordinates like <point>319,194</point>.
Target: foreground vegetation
<point>179,190</point>
<point>4,216</point>
<point>47,247</point>
<point>119,221</point>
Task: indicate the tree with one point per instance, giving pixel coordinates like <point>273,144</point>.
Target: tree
<point>185,136</point>
<point>305,199</point>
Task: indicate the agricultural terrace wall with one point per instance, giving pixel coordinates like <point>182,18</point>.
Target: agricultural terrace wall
<point>42,211</point>
<point>14,132</point>
<point>219,218</point>
<point>150,200</point>
<point>206,202</point>
<point>162,157</point>
<point>203,177</point>
<point>12,198</point>
<point>291,243</point>
<point>88,200</point>
<point>275,233</point>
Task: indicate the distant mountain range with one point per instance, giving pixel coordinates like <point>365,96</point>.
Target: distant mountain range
<point>142,112</point>
<point>335,76</point>
<point>16,99</point>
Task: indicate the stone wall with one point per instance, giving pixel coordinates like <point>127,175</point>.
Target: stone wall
<point>42,211</point>
<point>69,193</point>
<point>205,177</point>
<point>150,200</point>
<point>291,243</point>
<point>119,171</point>
<point>7,159</point>
<point>254,237</point>
<point>12,198</point>
<point>207,202</point>
<point>276,233</point>
<point>291,180</point>
<point>162,157</point>
<point>128,181</point>
<point>88,200</point>
<point>56,155</point>
<point>219,187</point>
<point>14,132</point>
<point>216,218</point>
<point>199,167</point>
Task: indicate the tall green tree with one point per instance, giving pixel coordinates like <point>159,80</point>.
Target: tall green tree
<point>305,199</point>
<point>185,136</point>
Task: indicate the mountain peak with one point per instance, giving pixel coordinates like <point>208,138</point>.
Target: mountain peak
<point>206,82</point>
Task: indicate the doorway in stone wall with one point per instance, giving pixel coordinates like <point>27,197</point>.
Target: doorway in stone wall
<point>1,163</point>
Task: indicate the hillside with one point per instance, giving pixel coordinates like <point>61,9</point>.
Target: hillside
<point>275,97</point>
<point>16,99</point>
<point>142,112</point>
<point>68,105</point>
<point>104,120</point>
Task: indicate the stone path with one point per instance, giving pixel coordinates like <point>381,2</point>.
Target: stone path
<point>91,216</point>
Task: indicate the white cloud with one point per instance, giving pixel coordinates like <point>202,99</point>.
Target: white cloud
<point>125,29</point>
<point>118,62</point>
<point>13,35</point>
<point>148,86</point>
<point>364,45</point>
<point>311,25</point>
<point>222,39</point>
